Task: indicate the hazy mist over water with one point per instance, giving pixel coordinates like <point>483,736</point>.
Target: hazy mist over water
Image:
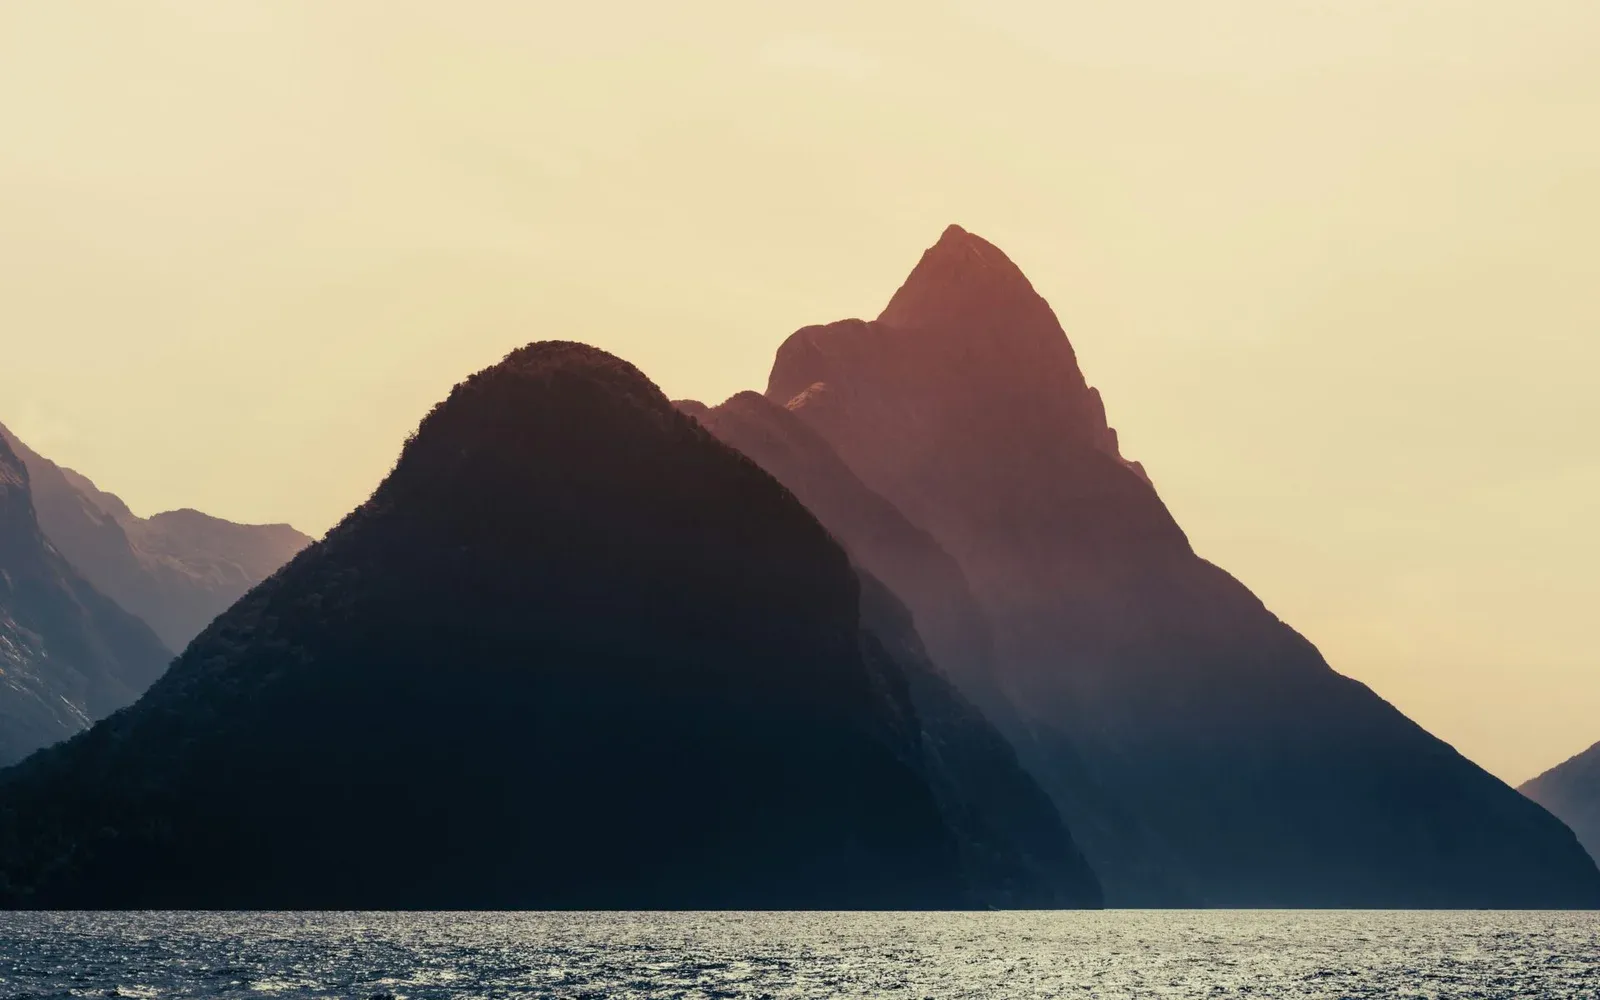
<point>1112,954</point>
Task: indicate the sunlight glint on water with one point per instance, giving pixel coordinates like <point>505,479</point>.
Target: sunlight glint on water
<point>988,955</point>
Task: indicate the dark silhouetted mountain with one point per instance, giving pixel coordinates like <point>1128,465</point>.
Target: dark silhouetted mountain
<point>1263,777</point>
<point>573,652</point>
<point>68,654</point>
<point>1572,792</point>
<point>176,570</point>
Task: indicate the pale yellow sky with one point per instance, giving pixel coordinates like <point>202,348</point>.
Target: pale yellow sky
<point>1334,264</point>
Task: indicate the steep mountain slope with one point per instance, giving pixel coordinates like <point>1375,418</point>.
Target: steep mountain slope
<point>176,570</point>
<point>1267,778</point>
<point>1571,791</point>
<point>917,570</point>
<point>573,652</point>
<point>876,535</point>
<point>68,655</point>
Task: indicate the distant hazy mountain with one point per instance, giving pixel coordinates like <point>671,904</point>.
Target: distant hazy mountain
<point>1572,791</point>
<point>573,652</point>
<point>68,654</point>
<point>1263,777</point>
<point>176,570</point>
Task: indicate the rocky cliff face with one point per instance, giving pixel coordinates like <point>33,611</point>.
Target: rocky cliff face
<point>574,652</point>
<point>1572,792</point>
<point>177,570</point>
<point>68,655</point>
<point>1263,777</point>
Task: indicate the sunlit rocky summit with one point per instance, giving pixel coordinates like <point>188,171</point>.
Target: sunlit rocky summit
<point>573,652</point>
<point>1202,751</point>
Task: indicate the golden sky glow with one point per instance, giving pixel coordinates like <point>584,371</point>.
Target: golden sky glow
<point>1335,265</point>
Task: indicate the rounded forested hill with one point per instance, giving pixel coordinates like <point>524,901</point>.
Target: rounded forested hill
<point>573,652</point>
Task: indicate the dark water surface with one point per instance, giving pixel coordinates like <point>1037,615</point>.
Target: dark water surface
<point>992,955</point>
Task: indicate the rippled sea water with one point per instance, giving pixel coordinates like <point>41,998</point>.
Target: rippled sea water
<point>912,955</point>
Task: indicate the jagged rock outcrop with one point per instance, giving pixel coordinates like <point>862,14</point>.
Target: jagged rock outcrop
<point>176,570</point>
<point>1571,791</point>
<point>573,652</point>
<point>1263,777</point>
<point>68,654</point>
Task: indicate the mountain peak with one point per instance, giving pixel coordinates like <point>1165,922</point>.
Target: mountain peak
<point>955,238</point>
<point>1150,688</point>
<point>960,278</point>
<point>528,401</point>
<point>560,362</point>
<point>970,332</point>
